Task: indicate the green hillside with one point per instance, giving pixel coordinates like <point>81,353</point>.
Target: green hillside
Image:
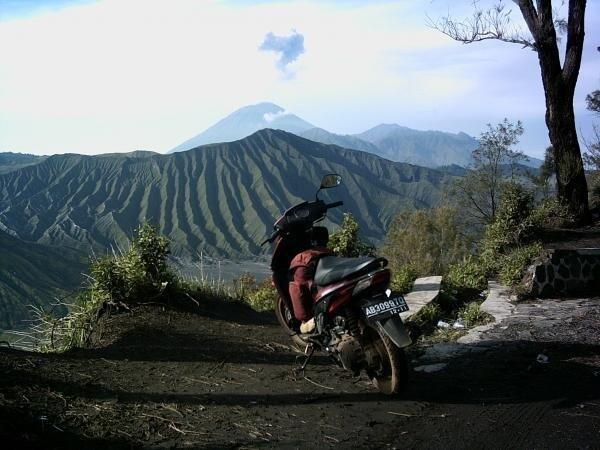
<point>34,274</point>
<point>221,199</point>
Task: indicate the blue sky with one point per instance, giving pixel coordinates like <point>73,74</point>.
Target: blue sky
<point>120,75</point>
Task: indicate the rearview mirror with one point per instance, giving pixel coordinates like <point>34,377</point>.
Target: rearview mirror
<point>331,180</point>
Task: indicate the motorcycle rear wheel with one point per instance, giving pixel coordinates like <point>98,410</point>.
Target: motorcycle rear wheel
<point>392,374</point>
<point>285,319</point>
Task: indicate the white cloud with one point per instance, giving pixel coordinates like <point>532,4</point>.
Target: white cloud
<point>270,117</point>
<point>118,75</point>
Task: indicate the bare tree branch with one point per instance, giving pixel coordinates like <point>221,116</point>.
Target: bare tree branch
<point>489,24</point>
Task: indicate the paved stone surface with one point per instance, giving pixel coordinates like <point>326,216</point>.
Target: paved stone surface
<point>498,305</point>
<point>424,291</point>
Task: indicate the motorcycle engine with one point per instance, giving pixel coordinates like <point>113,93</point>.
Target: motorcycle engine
<point>350,352</point>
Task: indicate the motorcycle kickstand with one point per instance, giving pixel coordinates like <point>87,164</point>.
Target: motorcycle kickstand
<point>310,350</point>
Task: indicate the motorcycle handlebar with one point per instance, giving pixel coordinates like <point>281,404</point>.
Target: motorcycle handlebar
<point>271,238</point>
<point>334,204</point>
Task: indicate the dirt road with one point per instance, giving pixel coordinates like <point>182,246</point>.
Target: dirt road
<point>221,378</point>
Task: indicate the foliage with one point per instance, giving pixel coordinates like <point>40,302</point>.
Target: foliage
<point>512,265</point>
<point>479,193</point>
<point>428,315</point>
<point>346,241</point>
<point>403,279</point>
<point>140,273</point>
<point>263,297</point>
<point>472,315</point>
<point>594,183</point>
<point>509,225</point>
<point>425,242</point>
<point>468,274</point>
<point>593,101</point>
<point>549,213</point>
<point>542,179</point>
<point>559,76</point>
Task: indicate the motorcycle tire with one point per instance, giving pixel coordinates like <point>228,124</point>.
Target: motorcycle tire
<point>285,318</point>
<point>393,376</point>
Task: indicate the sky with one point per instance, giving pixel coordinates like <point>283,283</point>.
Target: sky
<point>99,76</point>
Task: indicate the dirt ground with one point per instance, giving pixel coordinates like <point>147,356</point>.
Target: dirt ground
<point>221,377</point>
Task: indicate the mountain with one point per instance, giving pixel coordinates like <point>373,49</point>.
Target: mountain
<point>221,199</point>
<point>341,140</point>
<point>391,141</point>
<point>12,161</point>
<point>244,122</point>
<point>34,274</point>
<point>425,148</point>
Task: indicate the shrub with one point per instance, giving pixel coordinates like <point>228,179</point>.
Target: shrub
<point>428,315</point>
<point>403,279</point>
<point>427,241</point>
<point>263,297</point>
<point>594,189</point>
<point>140,273</point>
<point>549,213</point>
<point>242,286</point>
<point>507,229</point>
<point>512,265</point>
<point>469,274</point>
<point>346,241</point>
<point>471,314</point>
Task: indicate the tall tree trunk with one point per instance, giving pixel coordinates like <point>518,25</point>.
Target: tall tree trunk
<point>570,176</point>
<point>559,88</point>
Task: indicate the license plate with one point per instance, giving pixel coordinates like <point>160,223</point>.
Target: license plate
<point>380,309</point>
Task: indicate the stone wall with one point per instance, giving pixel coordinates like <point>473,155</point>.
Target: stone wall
<point>562,273</point>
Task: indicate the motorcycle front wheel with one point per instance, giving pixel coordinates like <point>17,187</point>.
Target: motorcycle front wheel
<point>388,369</point>
<point>286,319</point>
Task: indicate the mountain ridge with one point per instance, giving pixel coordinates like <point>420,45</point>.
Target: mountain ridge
<point>218,198</point>
<point>428,148</point>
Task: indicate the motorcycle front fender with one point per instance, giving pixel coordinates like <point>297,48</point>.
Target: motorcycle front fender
<point>394,328</point>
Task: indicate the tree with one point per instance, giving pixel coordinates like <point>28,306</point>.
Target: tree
<point>427,241</point>
<point>559,80</point>
<point>479,192</point>
<point>593,101</point>
<point>542,178</point>
<point>592,156</point>
<point>346,241</point>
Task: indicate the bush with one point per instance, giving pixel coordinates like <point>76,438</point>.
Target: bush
<point>594,189</point>
<point>469,274</point>
<point>427,241</point>
<point>549,213</point>
<point>428,315</point>
<point>403,279</point>
<point>512,265</point>
<point>141,273</point>
<point>471,314</point>
<point>507,229</point>
<point>346,241</point>
<point>263,297</point>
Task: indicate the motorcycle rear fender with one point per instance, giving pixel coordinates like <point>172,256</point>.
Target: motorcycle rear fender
<point>394,328</point>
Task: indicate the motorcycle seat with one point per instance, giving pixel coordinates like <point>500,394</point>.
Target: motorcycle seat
<point>331,268</point>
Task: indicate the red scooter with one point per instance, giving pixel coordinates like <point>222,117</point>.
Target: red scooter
<point>357,319</point>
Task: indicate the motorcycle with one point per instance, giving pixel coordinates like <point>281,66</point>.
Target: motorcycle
<point>357,319</point>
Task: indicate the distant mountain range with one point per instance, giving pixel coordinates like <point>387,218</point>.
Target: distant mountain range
<point>221,198</point>
<point>244,122</point>
<point>394,142</point>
